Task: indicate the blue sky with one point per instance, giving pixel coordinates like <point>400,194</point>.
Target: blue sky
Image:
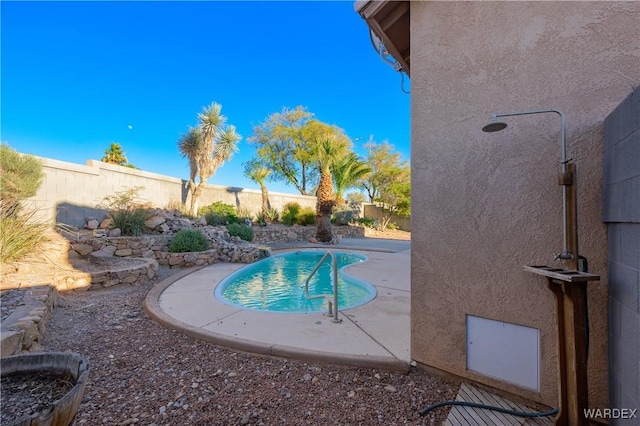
<point>76,75</point>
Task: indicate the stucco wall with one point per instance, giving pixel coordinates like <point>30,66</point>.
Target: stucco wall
<point>490,203</point>
<point>71,192</point>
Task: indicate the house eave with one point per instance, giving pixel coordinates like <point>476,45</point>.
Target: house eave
<point>389,21</point>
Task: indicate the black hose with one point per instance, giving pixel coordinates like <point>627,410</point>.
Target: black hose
<point>583,266</point>
<point>489,407</point>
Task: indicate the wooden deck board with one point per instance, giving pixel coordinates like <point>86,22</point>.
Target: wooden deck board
<point>469,416</point>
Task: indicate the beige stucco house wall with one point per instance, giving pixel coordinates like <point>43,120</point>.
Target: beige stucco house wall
<point>485,204</point>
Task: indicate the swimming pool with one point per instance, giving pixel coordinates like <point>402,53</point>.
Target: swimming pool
<point>276,284</point>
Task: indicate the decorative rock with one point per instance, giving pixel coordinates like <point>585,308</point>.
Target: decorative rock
<point>184,223</point>
<point>92,224</point>
<point>106,224</point>
<point>123,252</point>
<point>116,232</point>
<point>11,342</point>
<point>31,332</point>
<point>106,251</point>
<point>149,254</point>
<point>82,249</point>
<point>154,221</point>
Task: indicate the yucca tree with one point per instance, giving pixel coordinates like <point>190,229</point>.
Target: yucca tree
<point>115,155</point>
<point>258,172</point>
<point>207,147</point>
<point>328,149</point>
<point>347,171</point>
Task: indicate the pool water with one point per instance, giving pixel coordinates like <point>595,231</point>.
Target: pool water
<point>276,284</point>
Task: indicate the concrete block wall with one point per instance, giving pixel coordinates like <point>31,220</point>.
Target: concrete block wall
<point>376,212</point>
<point>72,192</point>
<point>621,213</point>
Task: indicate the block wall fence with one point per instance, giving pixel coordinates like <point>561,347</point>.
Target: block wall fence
<point>72,192</point>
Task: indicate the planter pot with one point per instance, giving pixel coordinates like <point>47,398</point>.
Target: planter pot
<point>62,411</point>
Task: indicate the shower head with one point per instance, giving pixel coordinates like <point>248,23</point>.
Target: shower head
<point>494,126</point>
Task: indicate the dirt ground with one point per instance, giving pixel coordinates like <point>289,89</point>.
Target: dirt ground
<point>389,234</point>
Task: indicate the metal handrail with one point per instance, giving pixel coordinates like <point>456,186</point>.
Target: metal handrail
<point>331,299</point>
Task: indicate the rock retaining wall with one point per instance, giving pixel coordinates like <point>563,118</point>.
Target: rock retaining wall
<point>273,234</point>
<point>140,272</point>
<point>222,248</point>
<point>23,329</point>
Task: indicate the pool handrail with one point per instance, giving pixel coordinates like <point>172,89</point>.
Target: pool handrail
<point>333,304</point>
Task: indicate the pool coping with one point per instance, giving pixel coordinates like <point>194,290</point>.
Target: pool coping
<point>153,308</point>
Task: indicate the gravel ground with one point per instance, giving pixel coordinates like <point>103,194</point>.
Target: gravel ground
<point>143,373</point>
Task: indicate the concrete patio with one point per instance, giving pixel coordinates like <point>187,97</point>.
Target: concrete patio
<point>376,334</point>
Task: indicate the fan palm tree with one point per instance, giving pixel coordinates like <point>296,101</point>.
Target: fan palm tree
<point>207,147</point>
<point>115,155</point>
<point>347,172</point>
<point>328,149</point>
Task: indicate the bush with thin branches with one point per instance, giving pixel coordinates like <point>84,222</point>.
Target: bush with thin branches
<point>21,234</point>
<point>127,211</point>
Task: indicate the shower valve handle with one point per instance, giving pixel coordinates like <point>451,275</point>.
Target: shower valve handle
<point>562,256</point>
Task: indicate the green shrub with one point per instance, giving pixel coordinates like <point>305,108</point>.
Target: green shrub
<point>187,240</point>
<point>307,216</point>
<point>219,213</point>
<point>127,211</point>
<point>239,230</point>
<point>272,215</point>
<point>20,178</point>
<point>366,221</point>
<point>342,215</point>
<point>261,219</point>
<point>290,213</point>
<point>130,222</point>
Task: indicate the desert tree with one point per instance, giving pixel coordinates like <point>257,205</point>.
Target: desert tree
<point>207,147</point>
<point>115,155</point>
<point>284,146</point>
<point>255,170</point>
<point>348,171</point>
<point>329,144</point>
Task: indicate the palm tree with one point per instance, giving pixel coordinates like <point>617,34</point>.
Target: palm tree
<point>327,151</point>
<point>207,147</point>
<point>347,172</point>
<point>258,172</point>
<point>115,155</point>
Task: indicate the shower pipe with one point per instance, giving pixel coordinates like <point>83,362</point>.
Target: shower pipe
<point>496,126</point>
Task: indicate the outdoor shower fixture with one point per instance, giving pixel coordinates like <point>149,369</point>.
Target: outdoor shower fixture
<point>569,286</point>
<point>565,177</point>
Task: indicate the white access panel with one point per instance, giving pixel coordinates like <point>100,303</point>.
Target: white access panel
<point>504,351</point>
